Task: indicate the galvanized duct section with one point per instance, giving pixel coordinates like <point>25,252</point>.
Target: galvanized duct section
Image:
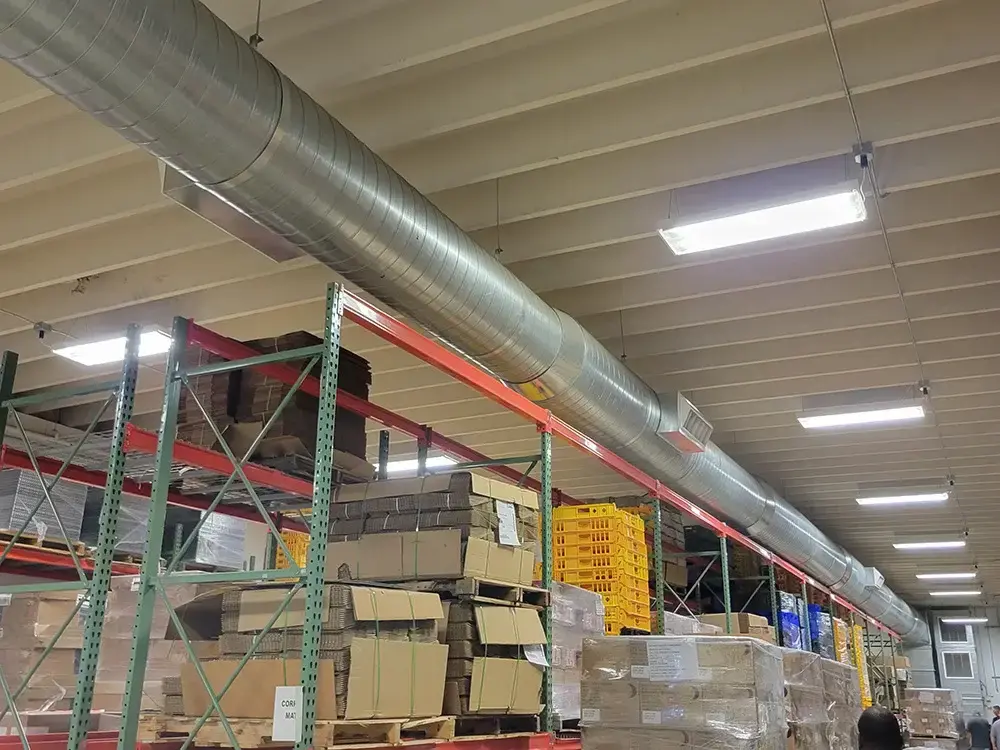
<point>173,79</point>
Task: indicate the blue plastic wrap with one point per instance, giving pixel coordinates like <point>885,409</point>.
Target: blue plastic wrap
<point>821,632</point>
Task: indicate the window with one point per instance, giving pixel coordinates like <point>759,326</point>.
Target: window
<point>953,632</point>
<point>957,665</point>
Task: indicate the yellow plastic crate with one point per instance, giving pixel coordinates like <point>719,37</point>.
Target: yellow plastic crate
<point>298,544</point>
<point>566,512</point>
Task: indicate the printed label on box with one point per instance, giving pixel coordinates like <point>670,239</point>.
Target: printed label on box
<point>535,653</point>
<point>590,714</point>
<point>925,697</point>
<point>640,671</point>
<point>669,661</point>
<point>650,717</point>
<point>507,534</point>
<point>287,714</point>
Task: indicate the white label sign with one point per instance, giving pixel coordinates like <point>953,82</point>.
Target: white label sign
<point>590,714</point>
<point>670,661</point>
<point>640,672</point>
<point>508,524</point>
<point>5,599</point>
<point>287,714</point>
<point>134,586</point>
<point>650,717</point>
<point>535,653</point>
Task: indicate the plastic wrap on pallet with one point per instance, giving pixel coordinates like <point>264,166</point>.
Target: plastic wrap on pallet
<point>576,614</point>
<point>788,620</point>
<point>821,632</point>
<point>133,522</point>
<point>21,490</point>
<point>938,743</point>
<point>843,700</point>
<point>934,712</point>
<point>675,624</point>
<point>30,622</point>
<point>220,542</point>
<point>710,692</point>
<point>809,721</point>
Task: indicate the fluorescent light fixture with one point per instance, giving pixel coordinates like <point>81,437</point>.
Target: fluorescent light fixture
<point>411,465</point>
<point>926,497</point>
<point>810,215</point>
<point>945,576</point>
<point>965,620</point>
<point>939,544</point>
<point>851,419</point>
<point>105,352</point>
<point>957,592</point>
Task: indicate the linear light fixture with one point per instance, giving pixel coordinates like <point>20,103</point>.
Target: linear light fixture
<point>926,497</point>
<point>965,620</point>
<point>852,419</point>
<point>946,576</point>
<point>957,592</point>
<point>94,353</point>
<point>410,465</point>
<point>934,544</point>
<point>810,215</point>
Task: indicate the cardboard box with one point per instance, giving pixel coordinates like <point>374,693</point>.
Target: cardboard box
<point>464,483</point>
<point>257,606</point>
<point>675,573</point>
<point>741,622</point>
<point>480,679</point>
<point>426,555</point>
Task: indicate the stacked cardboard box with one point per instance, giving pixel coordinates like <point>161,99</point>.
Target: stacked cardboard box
<point>576,614</point>
<point>248,397</point>
<point>742,623</point>
<point>495,655</point>
<point>260,396</point>
<point>674,624</point>
<point>481,508</point>
<point>673,692</point>
<point>934,713</point>
<point>29,622</point>
<point>843,699</point>
<point>212,392</point>
<point>809,721</point>
<point>379,654</point>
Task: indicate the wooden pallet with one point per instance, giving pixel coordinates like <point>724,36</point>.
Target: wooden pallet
<point>49,543</point>
<point>494,592</point>
<point>341,734</point>
<point>506,724</point>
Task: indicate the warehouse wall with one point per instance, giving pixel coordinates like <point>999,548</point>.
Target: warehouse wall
<point>982,645</point>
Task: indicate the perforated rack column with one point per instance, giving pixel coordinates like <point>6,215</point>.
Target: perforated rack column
<point>319,526</point>
<point>546,503</point>
<point>100,584</point>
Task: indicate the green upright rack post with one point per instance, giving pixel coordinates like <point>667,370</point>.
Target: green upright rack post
<point>319,522</point>
<point>546,502</point>
<point>149,572</point>
<point>100,583</point>
<point>658,562</point>
<point>726,594</point>
<point>775,609</point>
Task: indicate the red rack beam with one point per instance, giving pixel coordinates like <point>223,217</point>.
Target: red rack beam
<point>234,351</point>
<point>398,333</point>
<point>13,458</point>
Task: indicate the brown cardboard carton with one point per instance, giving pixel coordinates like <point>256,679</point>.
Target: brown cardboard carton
<point>458,481</point>
<point>32,620</point>
<point>505,686</point>
<point>251,696</point>
<point>423,555</point>
<point>494,684</point>
<point>741,622</point>
<point>387,679</point>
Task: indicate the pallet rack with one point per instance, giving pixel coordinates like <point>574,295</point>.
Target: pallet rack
<point>124,473</point>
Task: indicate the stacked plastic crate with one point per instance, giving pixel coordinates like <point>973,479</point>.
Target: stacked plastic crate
<point>603,549</point>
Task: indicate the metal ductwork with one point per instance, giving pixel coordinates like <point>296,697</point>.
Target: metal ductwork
<point>173,79</point>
